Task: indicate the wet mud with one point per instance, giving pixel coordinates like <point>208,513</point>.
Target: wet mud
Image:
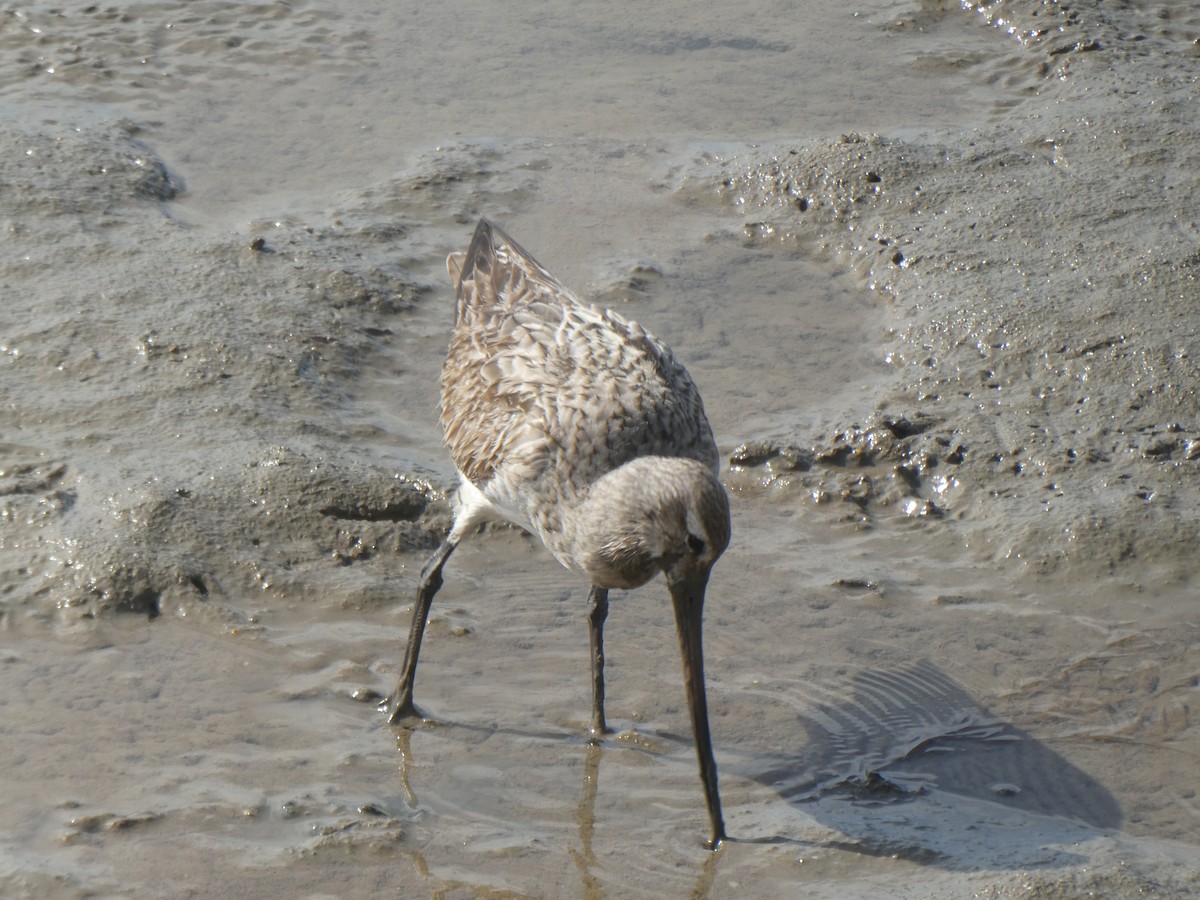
<point>941,315</point>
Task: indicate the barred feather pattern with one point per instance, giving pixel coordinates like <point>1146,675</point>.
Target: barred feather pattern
<point>543,394</point>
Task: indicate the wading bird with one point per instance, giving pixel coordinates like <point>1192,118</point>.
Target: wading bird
<point>582,428</point>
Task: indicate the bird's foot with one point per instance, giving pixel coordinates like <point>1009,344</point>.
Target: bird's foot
<point>597,731</point>
<point>402,711</point>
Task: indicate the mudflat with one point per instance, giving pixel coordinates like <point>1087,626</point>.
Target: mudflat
<point>934,269</point>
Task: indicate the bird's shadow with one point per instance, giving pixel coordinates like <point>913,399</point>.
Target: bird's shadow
<point>905,763</point>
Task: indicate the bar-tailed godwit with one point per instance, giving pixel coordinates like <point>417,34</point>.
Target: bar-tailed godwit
<point>582,428</point>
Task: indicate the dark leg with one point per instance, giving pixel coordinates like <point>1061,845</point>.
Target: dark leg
<point>400,704</point>
<point>598,601</point>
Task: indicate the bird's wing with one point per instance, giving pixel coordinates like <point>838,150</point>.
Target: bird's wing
<point>497,273</point>
<point>535,379</point>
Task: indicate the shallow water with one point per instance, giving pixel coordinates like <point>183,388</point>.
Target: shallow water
<point>222,471</point>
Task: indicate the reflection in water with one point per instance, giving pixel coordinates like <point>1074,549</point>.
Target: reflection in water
<point>593,876</point>
<point>585,819</point>
<point>708,874</point>
<point>404,746</point>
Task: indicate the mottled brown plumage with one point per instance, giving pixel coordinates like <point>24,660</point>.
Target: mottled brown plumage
<point>581,427</point>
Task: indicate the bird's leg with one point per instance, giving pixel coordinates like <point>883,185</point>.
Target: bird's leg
<point>597,613</point>
<point>400,706</point>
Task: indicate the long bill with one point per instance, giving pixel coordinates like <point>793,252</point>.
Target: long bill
<point>687,596</point>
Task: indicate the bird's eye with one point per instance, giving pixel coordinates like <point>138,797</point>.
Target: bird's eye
<point>696,544</point>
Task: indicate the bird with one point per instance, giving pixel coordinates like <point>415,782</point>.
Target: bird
<point>582,428</point>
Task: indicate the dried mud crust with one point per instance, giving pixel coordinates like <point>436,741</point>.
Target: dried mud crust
<point>1041,281</point>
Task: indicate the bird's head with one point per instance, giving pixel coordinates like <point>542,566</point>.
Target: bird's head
<point>653,514</point>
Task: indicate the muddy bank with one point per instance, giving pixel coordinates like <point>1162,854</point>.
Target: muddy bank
<point>1039,278</point>
<point>176,429</point>
<point>957,335</point>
